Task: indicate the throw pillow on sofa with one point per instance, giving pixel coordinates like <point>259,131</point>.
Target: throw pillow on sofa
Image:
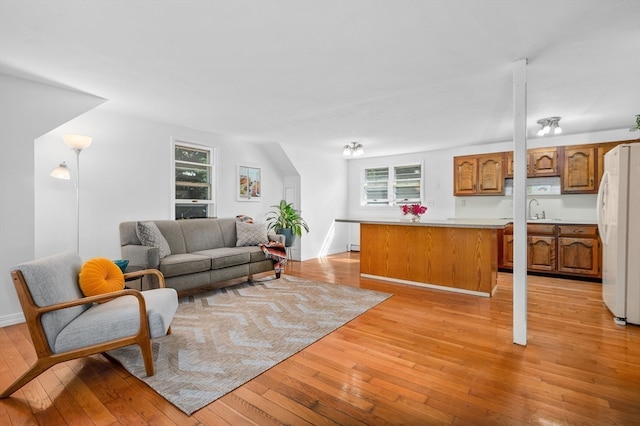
<point>251,234</point>
<point>149,235</point>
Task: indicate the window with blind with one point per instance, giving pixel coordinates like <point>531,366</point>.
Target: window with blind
<point>392,185</point>
<point>194,184</point>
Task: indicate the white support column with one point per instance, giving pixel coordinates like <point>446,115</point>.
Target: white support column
<point>520,202</point>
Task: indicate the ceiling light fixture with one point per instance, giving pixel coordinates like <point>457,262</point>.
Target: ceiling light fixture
<point>354,150</point>
<point>549,125</point>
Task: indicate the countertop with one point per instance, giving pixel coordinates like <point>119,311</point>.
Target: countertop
<point>448,223</point>
<point>463,223</point>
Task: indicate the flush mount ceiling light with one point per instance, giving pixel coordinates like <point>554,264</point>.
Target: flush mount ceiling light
<point>549,125</point>
<point>354,150</point>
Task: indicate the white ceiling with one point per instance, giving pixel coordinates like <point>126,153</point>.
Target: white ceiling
<point>397,76</point>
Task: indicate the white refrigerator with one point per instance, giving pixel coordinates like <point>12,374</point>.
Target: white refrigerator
<point>618,214</point>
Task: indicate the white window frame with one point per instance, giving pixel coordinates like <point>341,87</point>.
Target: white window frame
<point>391,184</point>
<point>213,158</point>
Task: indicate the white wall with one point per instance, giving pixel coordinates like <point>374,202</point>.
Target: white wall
<point>323,194</point>
<point>27,110</point>
<point>125,175</point>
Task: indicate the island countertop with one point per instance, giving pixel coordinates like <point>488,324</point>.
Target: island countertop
<point>447,223</point>
<point>463,223</point>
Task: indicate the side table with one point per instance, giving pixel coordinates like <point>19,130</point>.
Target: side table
<point>133,268</point>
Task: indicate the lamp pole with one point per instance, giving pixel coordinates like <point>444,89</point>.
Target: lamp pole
<point>77,151</point>
<point>77,143</point>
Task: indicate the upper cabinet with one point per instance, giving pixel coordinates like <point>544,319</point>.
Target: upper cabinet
<point>543,162</point>
<point>540,162</point>
<point>580,168</point>
<point>478,175</point>
<point>579,171</point>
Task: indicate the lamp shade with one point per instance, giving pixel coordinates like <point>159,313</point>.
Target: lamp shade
<point>77,141</point>
<point>61,172</point>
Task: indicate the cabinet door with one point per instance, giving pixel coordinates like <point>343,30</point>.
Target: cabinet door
<point>579,256</point>
<point>543,162</point>
<point>507,251</point>
<point>542,254</point>
<point>490,176</point>
<point>508,161</point>
<point>465,175</point>
<point>579,175</point>
<point>602,150</point>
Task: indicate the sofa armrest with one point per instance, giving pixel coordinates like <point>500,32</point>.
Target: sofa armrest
<point>145,256</point>
<point>276,237</point>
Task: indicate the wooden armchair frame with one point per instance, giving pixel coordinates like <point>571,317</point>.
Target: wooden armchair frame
<point>47,358</point>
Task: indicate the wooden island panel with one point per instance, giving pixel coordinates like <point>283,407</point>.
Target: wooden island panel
<point>451,258</point>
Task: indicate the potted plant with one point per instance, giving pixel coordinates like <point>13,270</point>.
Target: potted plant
<point>285,220</point>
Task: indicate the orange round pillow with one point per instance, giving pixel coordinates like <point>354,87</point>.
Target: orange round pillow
<point>100,275</point>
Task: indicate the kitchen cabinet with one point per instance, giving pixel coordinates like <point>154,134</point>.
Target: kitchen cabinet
<point>580,168</point>
<point>478,175</point>
<point>579,250</point>
<point>541,254</point>
<point>579,172</point>
<point>563,250</point>
<point>540,163</point>
<point>603,148</point>
<point>465,175</point>
<point>543,162</point>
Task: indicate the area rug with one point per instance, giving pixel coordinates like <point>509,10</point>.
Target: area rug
<point>223,338</point>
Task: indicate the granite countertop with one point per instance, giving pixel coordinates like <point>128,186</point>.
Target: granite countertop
<point>462,223</point>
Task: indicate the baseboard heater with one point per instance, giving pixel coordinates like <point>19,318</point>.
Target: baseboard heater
<point>354,247</point>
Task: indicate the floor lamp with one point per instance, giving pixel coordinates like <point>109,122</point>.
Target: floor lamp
<point>77,143</point>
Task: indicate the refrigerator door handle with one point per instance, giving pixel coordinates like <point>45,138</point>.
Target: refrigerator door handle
<point>601,209</point>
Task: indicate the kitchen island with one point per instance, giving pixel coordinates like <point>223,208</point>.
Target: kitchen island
<point>454,255</point>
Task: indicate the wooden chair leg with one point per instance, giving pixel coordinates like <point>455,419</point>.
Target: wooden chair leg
<point>147,357</point>
<point>40,366</point>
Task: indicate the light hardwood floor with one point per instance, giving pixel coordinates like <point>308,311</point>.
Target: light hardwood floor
<point>421,357</point>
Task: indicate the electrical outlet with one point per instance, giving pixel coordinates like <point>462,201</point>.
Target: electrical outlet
<point>431,203</point>
<point>463,203</point>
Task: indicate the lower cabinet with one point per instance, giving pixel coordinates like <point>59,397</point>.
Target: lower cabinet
<point>579,250</point>
<point>572,250</point>
<point>542,254</point>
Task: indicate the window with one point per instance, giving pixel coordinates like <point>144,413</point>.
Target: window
<point>194,181</point>
<point>392,185</point>
<point>407,184</point>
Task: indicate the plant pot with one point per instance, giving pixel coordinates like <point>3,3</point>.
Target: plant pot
<point>289,237</point>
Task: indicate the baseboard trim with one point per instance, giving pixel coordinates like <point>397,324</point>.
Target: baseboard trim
<point>433,286</point>
<point>12,319</point>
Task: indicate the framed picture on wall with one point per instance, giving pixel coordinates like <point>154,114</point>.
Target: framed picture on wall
<point>249,183</point>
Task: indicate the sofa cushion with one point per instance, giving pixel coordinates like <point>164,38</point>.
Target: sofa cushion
<point>256,254</point>
<point>202,234</point>
<point>251,234</point>
<point>226,256</point>
<point>149,235</point>
<point>182,264</point>
<point>117,318</point>
<point>172,232</point>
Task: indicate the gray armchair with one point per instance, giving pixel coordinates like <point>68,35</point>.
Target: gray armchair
<point>66,325</point>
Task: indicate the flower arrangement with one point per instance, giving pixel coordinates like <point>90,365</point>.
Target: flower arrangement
<point>415,210</point>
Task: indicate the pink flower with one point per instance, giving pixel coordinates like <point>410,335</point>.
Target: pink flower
<point>414,209</point>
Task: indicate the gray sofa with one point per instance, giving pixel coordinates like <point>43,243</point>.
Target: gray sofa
<point>203,252</point>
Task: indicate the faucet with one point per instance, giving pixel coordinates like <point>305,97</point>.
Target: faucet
<point>531,215</point>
